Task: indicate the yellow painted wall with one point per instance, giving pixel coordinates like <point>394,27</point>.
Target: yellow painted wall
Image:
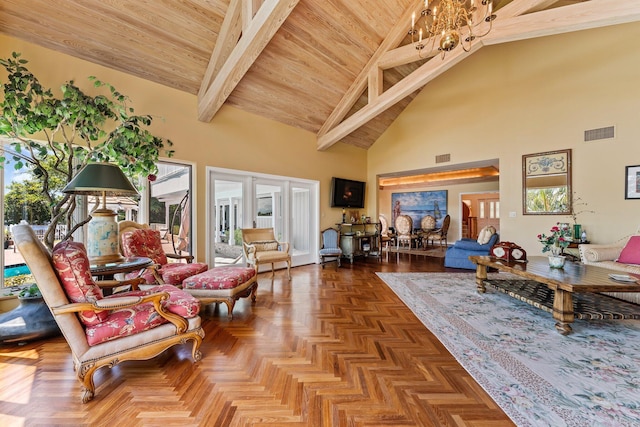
<point>529,97</point>
<point>234,139</point>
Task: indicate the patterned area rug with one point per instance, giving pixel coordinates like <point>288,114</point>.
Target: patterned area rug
<point>537,376</point>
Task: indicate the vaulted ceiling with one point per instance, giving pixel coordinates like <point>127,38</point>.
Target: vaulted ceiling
<point>343,70</point>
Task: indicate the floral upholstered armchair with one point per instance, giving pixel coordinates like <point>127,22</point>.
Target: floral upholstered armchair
<point>138,240</point>
<point>104,331</point>
<point>260,246</point>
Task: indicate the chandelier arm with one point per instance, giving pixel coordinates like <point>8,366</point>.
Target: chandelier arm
<point>488,30</point>
<point>448,21</point>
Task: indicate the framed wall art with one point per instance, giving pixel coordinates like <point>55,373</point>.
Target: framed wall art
<point>632,182</point>
<point>546,183</point>
<point>418,204</point>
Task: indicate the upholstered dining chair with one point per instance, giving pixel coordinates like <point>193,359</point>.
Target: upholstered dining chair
<point>404,231</point>
<point>386,236</point>
<point>427,225</point>
<point>260,246</point>
<point>439,234</point>
<point>104,331</point>
<point>138,240</point>
<point>330,250</point>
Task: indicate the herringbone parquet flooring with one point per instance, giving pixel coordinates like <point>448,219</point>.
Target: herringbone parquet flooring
<point>326,349</point>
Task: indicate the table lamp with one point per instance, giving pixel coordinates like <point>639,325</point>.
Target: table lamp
<point>102,179</point>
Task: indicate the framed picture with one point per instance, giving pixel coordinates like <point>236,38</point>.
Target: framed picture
<point>632,182</point>
<point>546,183</point>
<point>418,204</point>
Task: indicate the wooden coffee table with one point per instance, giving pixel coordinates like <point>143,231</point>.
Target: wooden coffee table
<point>574,278</point>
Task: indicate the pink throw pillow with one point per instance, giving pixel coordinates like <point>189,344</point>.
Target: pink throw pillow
<point>631,252</point>
<point>72,265</point>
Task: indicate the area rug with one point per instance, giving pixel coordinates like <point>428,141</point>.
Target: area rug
<point>434,251</point>
<point>537,376</point>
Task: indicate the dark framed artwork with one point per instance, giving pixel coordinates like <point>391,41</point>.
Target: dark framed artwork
<point>632,182</point>
<point>418,204</point>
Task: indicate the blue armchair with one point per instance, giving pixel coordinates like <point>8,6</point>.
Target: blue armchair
<point>457,256</point>
<point>330,250</point>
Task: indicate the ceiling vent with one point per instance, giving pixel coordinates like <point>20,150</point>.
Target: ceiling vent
<point>443,158</point>
<point>601,133</point>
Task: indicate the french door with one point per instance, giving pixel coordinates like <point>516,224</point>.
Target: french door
<point>239,199</point>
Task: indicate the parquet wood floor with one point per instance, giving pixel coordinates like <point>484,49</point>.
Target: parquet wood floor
<point>326,349</point>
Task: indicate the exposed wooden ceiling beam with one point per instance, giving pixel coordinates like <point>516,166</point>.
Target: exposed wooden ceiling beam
<point>407,53</point>
<point>581,16</point>
<point>386,58</point>
<point>227,40</point>
<point>592,14</point>
<point>350,97</point>
<point>267,20</point>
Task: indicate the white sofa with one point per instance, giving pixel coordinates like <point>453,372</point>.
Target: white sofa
<point>606,256</point>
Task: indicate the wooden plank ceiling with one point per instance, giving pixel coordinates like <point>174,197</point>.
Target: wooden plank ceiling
<point>306,63</point>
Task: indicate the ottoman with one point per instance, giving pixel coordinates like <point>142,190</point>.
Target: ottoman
<point>223,284</point>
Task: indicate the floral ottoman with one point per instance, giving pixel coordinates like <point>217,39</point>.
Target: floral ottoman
<point>223,284</point>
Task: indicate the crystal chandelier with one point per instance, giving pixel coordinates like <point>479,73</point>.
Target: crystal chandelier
<point>451,22</point>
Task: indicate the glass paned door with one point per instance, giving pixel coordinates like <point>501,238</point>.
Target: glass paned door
<point>303,238</point>
<point>170,207</point>
<point>226,219</point>
<point>289,206</point>
<point>268,206</point>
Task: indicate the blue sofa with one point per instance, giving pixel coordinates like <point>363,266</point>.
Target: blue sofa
<point>457,256</point>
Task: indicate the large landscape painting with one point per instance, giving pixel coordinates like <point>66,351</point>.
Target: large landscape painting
<point>419,204</point>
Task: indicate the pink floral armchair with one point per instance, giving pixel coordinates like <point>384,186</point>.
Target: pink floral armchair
<point>104,331</point>
<point>138,240</point>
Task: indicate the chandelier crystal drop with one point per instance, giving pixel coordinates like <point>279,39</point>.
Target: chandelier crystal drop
<point>450,23</point>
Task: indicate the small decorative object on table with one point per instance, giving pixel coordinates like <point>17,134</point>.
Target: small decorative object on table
<point>555,243</point>
<point>508,251</point>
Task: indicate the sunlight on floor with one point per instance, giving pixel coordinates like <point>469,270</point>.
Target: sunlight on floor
<point>11,421</point>
<point>22,379</point>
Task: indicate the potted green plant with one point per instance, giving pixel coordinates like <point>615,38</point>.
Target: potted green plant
<point>56,135</point>
<point>31,291</point>
<point>35,319</point>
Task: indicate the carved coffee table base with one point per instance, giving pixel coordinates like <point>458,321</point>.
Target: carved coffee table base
<point>567,295</point>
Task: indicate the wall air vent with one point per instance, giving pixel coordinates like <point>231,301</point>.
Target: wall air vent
<point>601,133</point>
<point>443,158</point>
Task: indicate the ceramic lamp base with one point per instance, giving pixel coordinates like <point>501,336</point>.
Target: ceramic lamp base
<point>102,238</point>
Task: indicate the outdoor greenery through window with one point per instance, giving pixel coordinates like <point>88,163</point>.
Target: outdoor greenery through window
<point>23,202</point>
<point>547,199</point>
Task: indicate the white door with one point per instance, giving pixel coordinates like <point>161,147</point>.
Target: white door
<point>489,212</point>
<point>288,205</point>
<point>225,219</point>
<point>304,237</point>
<point>269,206</point>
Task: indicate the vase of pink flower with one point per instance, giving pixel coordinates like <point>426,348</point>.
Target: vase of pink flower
<point>556,241</point>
